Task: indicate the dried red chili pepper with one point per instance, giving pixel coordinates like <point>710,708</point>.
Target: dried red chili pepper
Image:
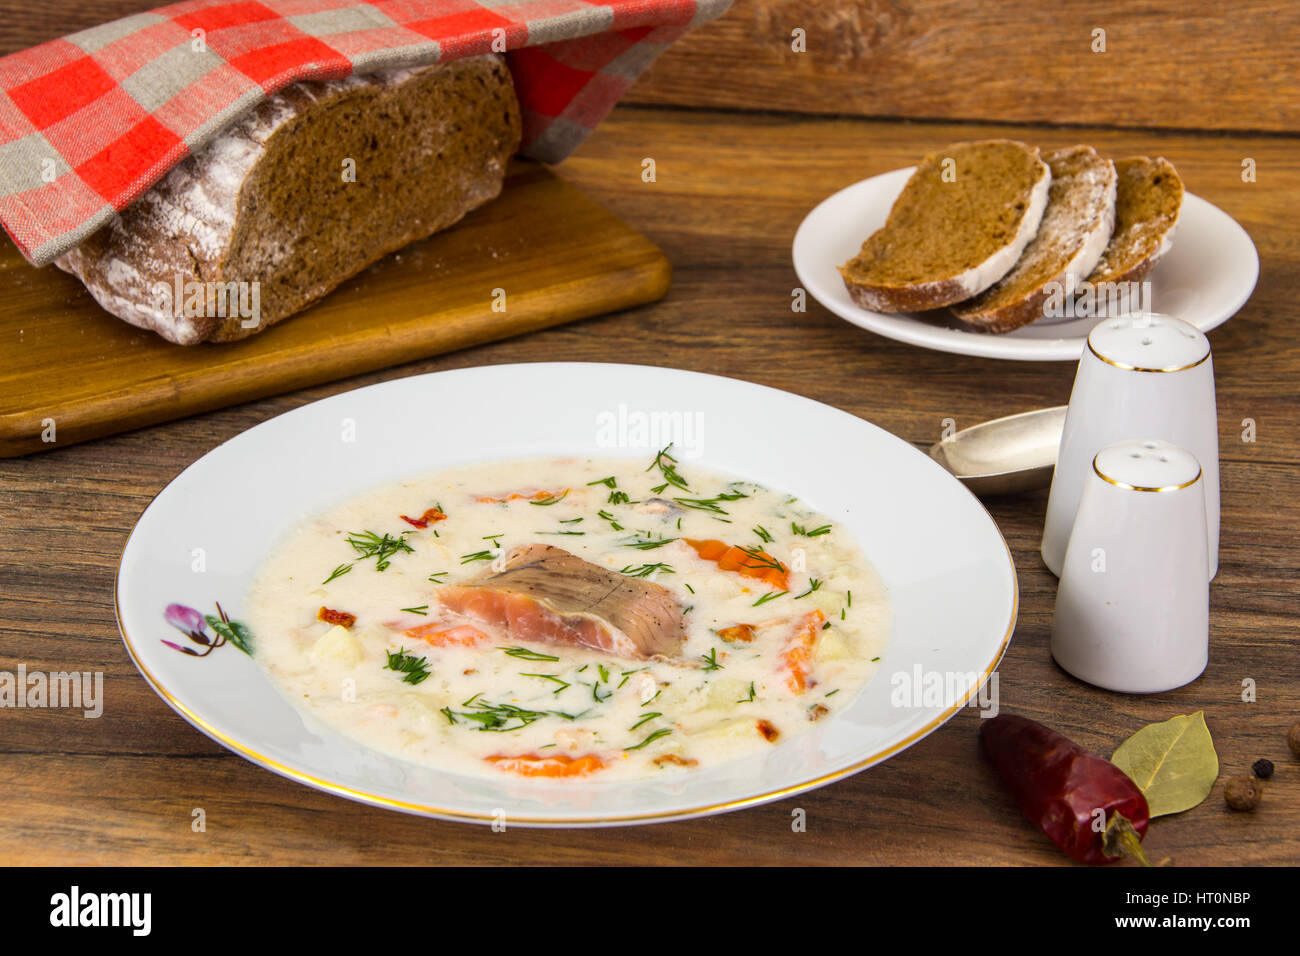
<point>430,515</point>
<point>1060,787</point>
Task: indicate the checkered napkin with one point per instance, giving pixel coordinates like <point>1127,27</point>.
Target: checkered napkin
<point>91,121</point>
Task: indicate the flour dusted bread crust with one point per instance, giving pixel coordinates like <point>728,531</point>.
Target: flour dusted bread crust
<point>1146,213</point>
<point>314,185</point>
<point>1075,230</point>
<point>959,225</point>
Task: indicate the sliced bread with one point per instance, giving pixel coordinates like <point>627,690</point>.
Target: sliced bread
<point>1075,230</point>
<point>958,226</point>
<point>1146,213</point>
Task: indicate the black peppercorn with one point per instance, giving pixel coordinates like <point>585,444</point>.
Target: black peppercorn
<point>1263,769</point>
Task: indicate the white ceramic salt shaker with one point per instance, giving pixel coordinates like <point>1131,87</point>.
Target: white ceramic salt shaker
<point>1133,607</point>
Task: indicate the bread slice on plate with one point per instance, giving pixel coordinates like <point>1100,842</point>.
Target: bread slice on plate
<point>1146,214</point>
<point>307,190</point>
<point>958,226</point>
<point>1075,230</point>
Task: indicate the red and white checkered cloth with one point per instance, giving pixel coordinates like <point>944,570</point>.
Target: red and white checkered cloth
<point>91,121</point>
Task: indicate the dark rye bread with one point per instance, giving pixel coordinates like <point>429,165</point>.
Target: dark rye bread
<point>268,201</point>
<point>1149,199</point>
<point>1075,229</point>
<point>959,224</point>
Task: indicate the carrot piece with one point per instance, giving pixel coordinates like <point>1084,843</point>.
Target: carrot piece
<point>516,496</point>
<point>737,633</point>
<point>551,765</point>
<point>710,550</point>
<point>330,616</point>
<point>748,562</point>
<point>439,634</point>
<point>796,658</point>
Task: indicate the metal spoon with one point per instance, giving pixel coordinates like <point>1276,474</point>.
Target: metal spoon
<point>1006,455</point>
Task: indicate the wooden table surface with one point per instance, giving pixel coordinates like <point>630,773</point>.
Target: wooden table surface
<point>730,190</point>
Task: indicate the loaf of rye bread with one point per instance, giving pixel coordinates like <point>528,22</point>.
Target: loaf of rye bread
<point>310,188</point>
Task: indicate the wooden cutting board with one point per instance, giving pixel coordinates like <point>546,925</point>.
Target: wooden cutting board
<point>557,255</point>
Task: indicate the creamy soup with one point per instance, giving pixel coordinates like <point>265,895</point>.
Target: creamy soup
<point>565,618</point>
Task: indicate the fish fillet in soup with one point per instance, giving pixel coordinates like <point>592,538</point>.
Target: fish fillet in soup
<point>547,595</point>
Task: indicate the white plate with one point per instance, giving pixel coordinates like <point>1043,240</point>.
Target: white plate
<point>950,576</point>
<point>1204,279</point>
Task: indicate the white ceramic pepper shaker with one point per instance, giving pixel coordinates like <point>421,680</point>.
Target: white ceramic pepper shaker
<point>1140,375</point>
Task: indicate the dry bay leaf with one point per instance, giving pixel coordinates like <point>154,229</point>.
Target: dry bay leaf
<point>1173,763</point>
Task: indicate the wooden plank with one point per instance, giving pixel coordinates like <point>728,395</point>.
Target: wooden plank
<point>730,191</point>
<point>1167,64</point>
<point>556,255</point>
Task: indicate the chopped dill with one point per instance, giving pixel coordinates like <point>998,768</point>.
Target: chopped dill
<point>667,466</point>
<point>564,684</point>
<point>415,668</point>
<point>382,548</point>
<point>661,732</point>
<point>524,654</point>
<point>711,504</point>
<point>814,533</point>
<point>498,718</point>
<point>813,585</point>
<point>338,572</point>
<point>643,541</point>
<point>551,499</point>
<point>646,570</point>
<point>650,716</point>
<point>762,559</point>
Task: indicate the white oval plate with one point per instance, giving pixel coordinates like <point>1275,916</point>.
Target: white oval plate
<point>950,576</point>
<point>1204,279</point>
